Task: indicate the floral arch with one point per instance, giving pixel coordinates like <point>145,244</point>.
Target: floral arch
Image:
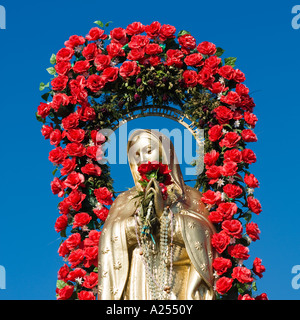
<point>99,79</point>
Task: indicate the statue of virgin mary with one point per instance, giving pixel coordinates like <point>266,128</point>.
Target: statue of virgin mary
<point>177,264</point>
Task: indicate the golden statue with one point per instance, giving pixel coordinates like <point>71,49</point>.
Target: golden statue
<point>177,263</point>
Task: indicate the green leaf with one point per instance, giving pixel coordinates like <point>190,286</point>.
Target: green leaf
<point>60,284</point>
<point>254,286</point>
<point>182,33</point>
<point>108,23</point>
<point>63,233</point>
<point>43,86</point>
<point>45,96</point>
<point>51,70</point>
<point>54,171</point>
<point>219,52</point>
<point>99,23</point>
<point>230,61</point>
<point>39,118</point>
<point>53,59</point>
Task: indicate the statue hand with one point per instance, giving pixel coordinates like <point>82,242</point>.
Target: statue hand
<point>153,186</point>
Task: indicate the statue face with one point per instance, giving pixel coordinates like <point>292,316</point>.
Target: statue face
<point>144,149</point>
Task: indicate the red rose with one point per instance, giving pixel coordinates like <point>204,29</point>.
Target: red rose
<point>153,29</point>
<point>101,213</point>
<point>63,273</point>
<point>57,187</point>
<point>167,32</point>
<point>238,251</point>
<point>46,130</point>
<point>223,285</point>
<point>81,219</point>
<point>64,54</point>
<point>93,239</point>
<point>207,48</point>
<point>73,241</point>
<point>242,274</point>
<point>227,209</point>
<point>233,155</point>
<point>232,190</point>
<point>190,78</point>
<point>61,223</point>
<point>75,149</point>
<point>91,255</point>
<point>63,250</point>
<point>55,137</point>
<point>258,268</point>
<point>194,60</point>
<point>230,140</point>
<point>217,87</point>
<point>239,76</point>
<point>138,42</point>
<point>95,83</point>
<point>205,77</point>
<point>232,98</point>
<point>262,296</point>
<point>76,273</point>
<point>129,69</point>
<point>221,265</point>
<point>154,60</point>
<point>71,121</point>
<point>135,28</point>
<point>245,297</point>
<point>153,49</point>
<point>254,205</point>
<point>174,57</point>
<point>227,72</point>
<point>59,83</point>
<point>220,241</point>
<point>75,199</point>
<point>74,135</point>
<point>136,54</point>
<point>241,89</point>
<point>211,158</point>
<point>102,61</point>
<point>223,114</point>
<point>115,50</point>
<point>215,133</point>
<point>251,181</point>
<point>86,295</point>
<point>233,228</point>
<point>118,35</point>
<point>250,118</point>
<point>187,41</point>
<point>68,166</point>
<point>76,257</point>
<point>211,197</point>
<point>213,63</point>
<point>81,66</point>
<point>94,152</point>
<point>230,168</point>
<point>110,74</point>
<point>75,41</point>
<point>74,180</point>
<point>213,172</point>
<point>91,169</point>
<point>248,135</point>
<point>215,217</point>
<point>96,34</point>
<point>86,113</point>
<point>58,100</point>
<point>65,293</point>
<point>91,280</point>
<point>63,67</point>
<point>248,156</point>
<point>252,231</point>
<point>57,155</point>
<point>64,206</point>
<point>44,109</point>
<point>104,196</point>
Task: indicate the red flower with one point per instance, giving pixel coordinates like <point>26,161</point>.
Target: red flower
<point>239,251</point>
<point>75,41</point>
<point>57,187</point>
<point>63,67</point>
<point>251,181</point>
<point>223,285</point>
<point>167,32</point>
<point>215,133</point>
<point>101,213</point>
<point>205,77</point>
<point>76,257</point>
<point>239,76</point>
<point>129,69</point>
<point>71,121</point>
<point>220,241</point>
<point>227,209</point>
<point>91,169</point>
<point>93,239</point>
<point>230,140</point>
<point>96,34</point>
<point>153,29</point>
<point>65,293</point>
<point>44,109</point>
<point>74,180</point>
<point>211,158</point>
<point>248,135</point>
<point>61,223</point>
<point>153,49</point>
<point>91,280</point>
<point>110,74</point>
<point>232,98</point>
<point>55,137</point>
<point>233,228</point>
<point>207,48</point>
<point>248,156</point>
<point>232,190</point>
<point>64,54</point>
<point>57,155</point>
<point>242,274</point>
<point>75,149</point>
<point>118,35</point>
<point>104,196</point>
<point>187,41</point>
<point>250,118</point>
<point>81,219</point>
<point>229,168</point>
<point>162,172</point>
<point>102,61</point>
<point>91,255</point>
<point>115,50</point>
<point>211,197</point>
<point>252,231</point>
<point>258,268</point>
<point>46,130</point>
<point>190,78</point>
<point>233,155</point>
<point>76,273</point>
<point>135,28</point>
<point>194,60</point>
<point>223,114</point>
<point>73,241</point>
<point>68,166</point>
<point>95,83</point>
<point>63,273</point>
<point>227,72</point>
<point>81,66</point>
<point>75,199</point>
<point>221,265</point>
<point>254,205</point>
<point>86,295</point>
<point>59,83</point>
<point>174,57</point>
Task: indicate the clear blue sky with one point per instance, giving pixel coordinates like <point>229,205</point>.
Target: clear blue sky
<point>258,33</point>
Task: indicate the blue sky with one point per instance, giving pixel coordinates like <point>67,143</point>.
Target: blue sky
<point>260,35</point>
